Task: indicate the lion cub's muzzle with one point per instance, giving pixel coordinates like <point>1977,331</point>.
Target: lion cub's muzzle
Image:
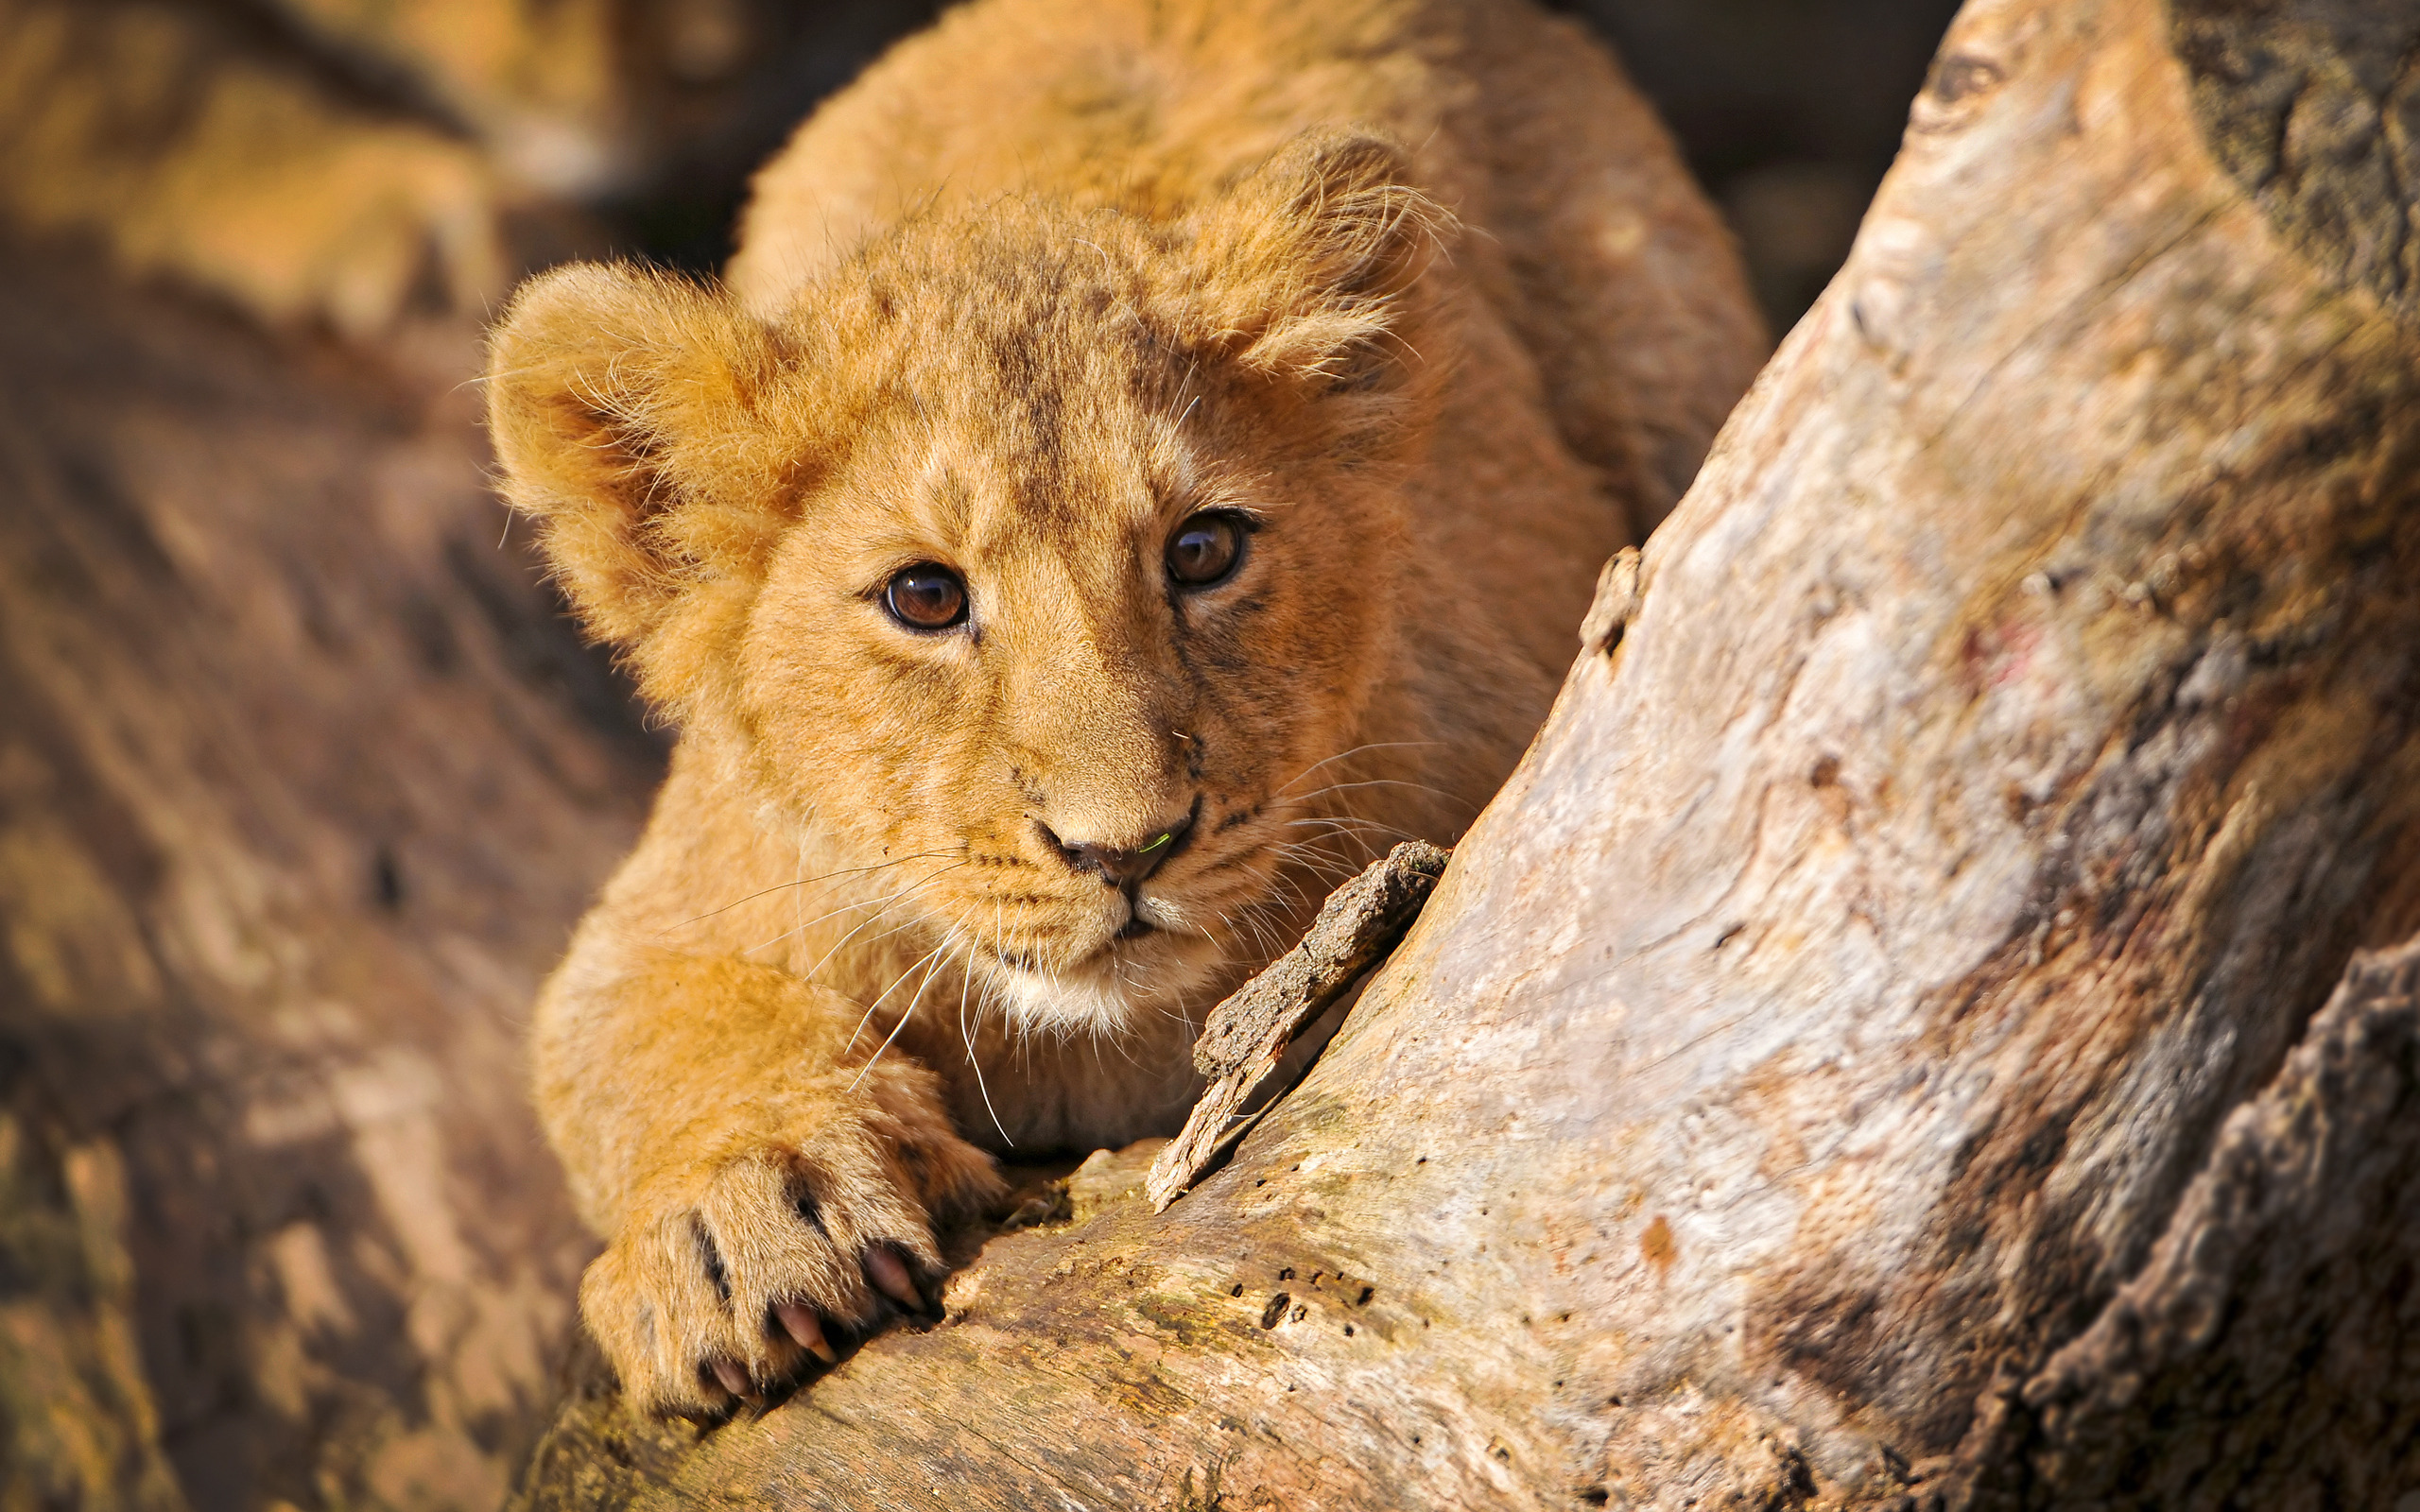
<point>1125,863</point>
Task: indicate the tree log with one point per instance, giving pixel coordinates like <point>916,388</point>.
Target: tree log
<point>1872,1053</point>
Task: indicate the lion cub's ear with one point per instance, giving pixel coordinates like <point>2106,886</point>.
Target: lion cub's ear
<point>1312,261</point>
<point>624,409</point>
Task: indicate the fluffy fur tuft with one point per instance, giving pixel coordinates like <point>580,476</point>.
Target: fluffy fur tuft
<point>1318,253</point>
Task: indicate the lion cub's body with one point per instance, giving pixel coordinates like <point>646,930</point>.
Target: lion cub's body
<point>1051,281</point>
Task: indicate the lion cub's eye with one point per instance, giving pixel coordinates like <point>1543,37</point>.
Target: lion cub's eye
<point>1205,549</point>
<point>926,597</point>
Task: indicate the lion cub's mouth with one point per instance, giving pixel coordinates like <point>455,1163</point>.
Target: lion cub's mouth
<point>1142,942</point>
<point>1146,914</point>
<point>1150,965</point>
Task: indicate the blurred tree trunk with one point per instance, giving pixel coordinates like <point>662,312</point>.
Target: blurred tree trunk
<point>1879,1051</point>
<point>303,782</point>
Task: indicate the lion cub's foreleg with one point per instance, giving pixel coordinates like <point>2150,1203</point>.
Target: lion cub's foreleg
<point>757,1181</point>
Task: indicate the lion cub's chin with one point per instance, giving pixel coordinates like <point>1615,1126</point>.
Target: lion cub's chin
<point>1126,985</point>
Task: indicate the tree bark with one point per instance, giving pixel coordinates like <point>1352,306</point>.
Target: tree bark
<point>1872,1053</point>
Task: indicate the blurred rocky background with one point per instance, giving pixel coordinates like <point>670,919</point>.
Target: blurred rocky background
<point>303,776</point>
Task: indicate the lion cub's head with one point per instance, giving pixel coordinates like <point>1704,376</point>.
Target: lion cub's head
<point>1055,547</point>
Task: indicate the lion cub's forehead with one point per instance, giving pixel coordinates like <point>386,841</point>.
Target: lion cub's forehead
<point>1035,388</point>
<point>989,499</point>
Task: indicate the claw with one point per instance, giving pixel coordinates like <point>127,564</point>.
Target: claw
<point>800,1323</point>
<point>889,1275</point>
<point>733,1378</point>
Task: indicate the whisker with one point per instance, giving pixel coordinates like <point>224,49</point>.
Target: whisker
<point>1343,755</point>
<point>1285,882</point>
<point>1263,933</point>
<point>1260,947</point>
<point>1312,855</point>
<point>844,908</point>
<point>885,903</point>
<point>1256,915</point>
<point>808,882</point>
<point>892,933</point>
<point>819,966</point>
<point>1384,781</point>
<point>966,1032</point>
<point>903,1017</point>
<point>1350,824</point>
<point>1361,853</point>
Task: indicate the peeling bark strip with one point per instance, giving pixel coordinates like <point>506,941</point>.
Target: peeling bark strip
<point>1248,1034</point>
<point>1885,971</point>
<point>1617,600</point>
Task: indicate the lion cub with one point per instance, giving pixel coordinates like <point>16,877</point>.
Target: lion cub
<point>1149,455</point>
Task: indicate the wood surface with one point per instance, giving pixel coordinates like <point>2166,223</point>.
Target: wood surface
<point>1879,1051</point>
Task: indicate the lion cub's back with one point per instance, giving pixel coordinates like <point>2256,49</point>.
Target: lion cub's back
<point>1599,250</point>
<point>1147,106</point>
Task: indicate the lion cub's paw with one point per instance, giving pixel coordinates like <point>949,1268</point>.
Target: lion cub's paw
<point>731,1270</point>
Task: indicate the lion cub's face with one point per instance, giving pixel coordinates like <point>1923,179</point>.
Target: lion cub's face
<point>1038,558</point>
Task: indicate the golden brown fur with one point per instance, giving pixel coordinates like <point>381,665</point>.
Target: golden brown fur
<point>1417,288</point>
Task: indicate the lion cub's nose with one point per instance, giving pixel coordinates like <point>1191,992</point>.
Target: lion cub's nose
<point>1115,865</point>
